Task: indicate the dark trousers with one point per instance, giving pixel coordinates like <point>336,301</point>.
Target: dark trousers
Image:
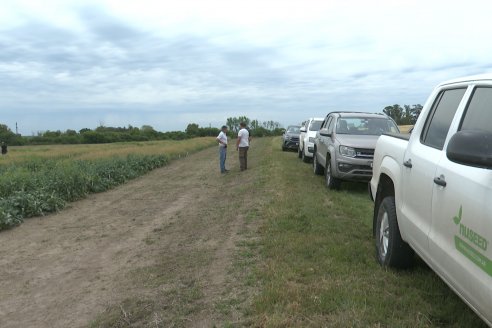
<point>243,158</point>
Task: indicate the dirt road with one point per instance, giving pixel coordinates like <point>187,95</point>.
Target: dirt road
<point>163,250</point>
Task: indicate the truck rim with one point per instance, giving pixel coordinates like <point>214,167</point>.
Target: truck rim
<point>384,235</point>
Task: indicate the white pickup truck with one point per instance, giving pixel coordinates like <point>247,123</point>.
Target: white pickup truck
<point>433,191</point>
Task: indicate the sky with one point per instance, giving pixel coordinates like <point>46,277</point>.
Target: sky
<point>80,64</point>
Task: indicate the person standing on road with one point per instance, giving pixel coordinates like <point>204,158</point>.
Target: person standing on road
<point>242,145</point>
<point>222,139</point>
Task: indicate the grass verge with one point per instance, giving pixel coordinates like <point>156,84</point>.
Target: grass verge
<point>318,266</point>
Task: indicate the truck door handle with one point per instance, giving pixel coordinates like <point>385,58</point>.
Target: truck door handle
<point>440,181</point>
<point>408,163</point>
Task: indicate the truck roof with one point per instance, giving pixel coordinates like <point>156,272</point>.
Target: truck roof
<point>480,77</point>
<point>359,114</point>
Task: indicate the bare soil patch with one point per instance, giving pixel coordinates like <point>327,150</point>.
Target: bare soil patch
<point>163,250</point>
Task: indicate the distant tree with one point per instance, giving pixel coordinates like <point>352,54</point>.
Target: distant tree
<point>82,131</point>
<point>6,135</point>
<point>233,124</point>
<point>406,115</point>
<point>415,112</point>
<point>193,130</point>
<point>244,119</point>
<point>149,132</point>
<point>94,137</point>
<point>52,134</point>
<point>208,132</point>
<point>395,112</point>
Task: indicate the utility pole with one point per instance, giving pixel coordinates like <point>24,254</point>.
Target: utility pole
<point>16,129</point>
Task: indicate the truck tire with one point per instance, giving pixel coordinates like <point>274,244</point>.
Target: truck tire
<point>318,169</point>
<point>305,159</point>
<point>332,183</point>
<point>391,250</point>
<point>299,152</point>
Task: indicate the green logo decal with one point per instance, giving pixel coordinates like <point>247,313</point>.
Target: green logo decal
<point>473,255</point>
<point>467,236</point>
<point>457,219</point>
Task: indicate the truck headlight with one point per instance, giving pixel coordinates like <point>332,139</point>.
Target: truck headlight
<point>347,151</point>
<point>311,139</point>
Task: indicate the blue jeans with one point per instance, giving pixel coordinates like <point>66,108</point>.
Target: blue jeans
<point>222,158</point>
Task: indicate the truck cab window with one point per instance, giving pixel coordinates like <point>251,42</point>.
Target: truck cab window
<point>329,126</point>
<point>479,112</point>
<point>442,114</point>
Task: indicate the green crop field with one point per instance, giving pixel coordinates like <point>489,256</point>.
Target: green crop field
<point>35,180</point>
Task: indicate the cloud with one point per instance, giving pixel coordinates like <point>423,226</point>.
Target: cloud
<point>71,64</point>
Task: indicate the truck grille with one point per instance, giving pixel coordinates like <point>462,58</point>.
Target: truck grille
<point>295,139</point>
<point>364,153</point>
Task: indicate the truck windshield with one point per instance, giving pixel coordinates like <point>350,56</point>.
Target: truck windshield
<point>293,129</point>
<point>315,125</point>
<point>366,126</point>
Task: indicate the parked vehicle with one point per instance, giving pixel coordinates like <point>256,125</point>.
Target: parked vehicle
<point>344,146</point>
<point>306,139</point>
<point>432,191</point>
<point>290,138</point>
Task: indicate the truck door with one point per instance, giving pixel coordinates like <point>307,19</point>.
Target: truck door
<point>420,161</point>
<point>461,232</point>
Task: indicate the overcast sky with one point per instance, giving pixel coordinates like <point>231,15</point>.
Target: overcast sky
<point>73,64</point>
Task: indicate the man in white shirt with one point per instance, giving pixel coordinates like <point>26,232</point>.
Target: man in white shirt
<point>242,145</point>
<point>222,139</point>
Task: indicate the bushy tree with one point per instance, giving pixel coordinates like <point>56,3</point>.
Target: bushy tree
<point>7,136</point>
<point>406,115</point>
<point>193,130</point>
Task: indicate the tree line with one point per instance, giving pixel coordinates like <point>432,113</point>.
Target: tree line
<point>257,129</point>
<point>406,115</point>
<point>105,134</point>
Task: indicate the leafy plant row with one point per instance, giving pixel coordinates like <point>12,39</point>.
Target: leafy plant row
<point>38,187</point>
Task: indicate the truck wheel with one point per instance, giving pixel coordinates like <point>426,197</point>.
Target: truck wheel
<point>299,152</point>
<point>391,250</point>
<point>305,159</point>
<point>332,183</point>
<point>318,169</point>
<point>283,148</point>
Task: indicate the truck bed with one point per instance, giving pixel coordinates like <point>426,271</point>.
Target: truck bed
<point>403,136</point>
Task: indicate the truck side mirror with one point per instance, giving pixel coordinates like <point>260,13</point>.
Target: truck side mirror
<point>472,148</point>
<point>303,129</point>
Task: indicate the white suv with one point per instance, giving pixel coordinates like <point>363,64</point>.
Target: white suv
<point>306,140</point>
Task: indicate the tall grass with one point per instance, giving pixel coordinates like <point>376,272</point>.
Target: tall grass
<point>39,180</point>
